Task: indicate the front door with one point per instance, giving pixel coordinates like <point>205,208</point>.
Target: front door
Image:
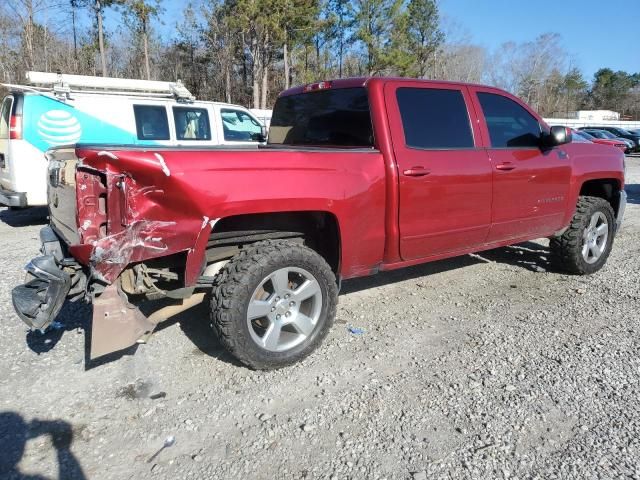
<point>530,183</point>
<point>444,174</point>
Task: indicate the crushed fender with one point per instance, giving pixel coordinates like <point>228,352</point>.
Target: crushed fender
<point>141,239</point>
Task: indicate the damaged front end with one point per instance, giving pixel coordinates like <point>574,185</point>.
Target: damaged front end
<point>108,240</point>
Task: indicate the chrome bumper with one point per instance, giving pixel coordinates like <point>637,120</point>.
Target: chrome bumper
<point>621,207</point>
<point>13,199</point>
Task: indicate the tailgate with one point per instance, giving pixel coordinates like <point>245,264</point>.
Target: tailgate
<point>61,193</point>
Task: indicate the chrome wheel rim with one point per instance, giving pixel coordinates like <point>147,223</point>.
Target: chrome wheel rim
<point>284,309</point>
<point>594,238</point>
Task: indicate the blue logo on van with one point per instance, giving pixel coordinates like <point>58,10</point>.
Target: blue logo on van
<point>48,122</point>
<point>59,127</point>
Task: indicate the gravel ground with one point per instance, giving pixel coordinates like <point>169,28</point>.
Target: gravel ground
<point>483,366</point>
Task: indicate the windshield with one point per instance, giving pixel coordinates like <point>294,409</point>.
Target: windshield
<point>581,137</point>
<point>608,134</point>
<point>585,135</point>
<point>239,126</point>
<point>337,118</point>
<point>596,134</point>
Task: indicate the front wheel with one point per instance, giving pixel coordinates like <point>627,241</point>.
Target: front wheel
<point>274,303</point>
<point>586,244</point>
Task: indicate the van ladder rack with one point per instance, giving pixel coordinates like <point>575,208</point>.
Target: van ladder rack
<point>63,85</point>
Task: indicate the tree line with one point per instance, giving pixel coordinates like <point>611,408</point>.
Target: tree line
<point>246,51</point>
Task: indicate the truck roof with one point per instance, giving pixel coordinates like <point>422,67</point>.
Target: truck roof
<point>364,81</point>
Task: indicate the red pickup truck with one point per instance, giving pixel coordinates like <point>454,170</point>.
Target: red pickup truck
<point>358,176</point>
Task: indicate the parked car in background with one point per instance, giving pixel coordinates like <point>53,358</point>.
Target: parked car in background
<point>68,109</point>
<point>587,137</point>
<point>603,134</point>
<point>622,133</point>
<point>358,176</point>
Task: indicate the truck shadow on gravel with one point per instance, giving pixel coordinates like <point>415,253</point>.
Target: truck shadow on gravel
<point>528,255</point>
<point>195,323</point>
<point>74,317</point>
<point>25,217</point>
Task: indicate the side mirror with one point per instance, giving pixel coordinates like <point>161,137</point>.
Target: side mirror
<point>559,135</point>
<point>263,134</point>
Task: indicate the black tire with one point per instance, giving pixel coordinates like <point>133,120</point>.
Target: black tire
<point>236,284</point>
<point>566,249</point>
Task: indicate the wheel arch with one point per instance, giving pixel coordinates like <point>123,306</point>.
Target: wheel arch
<point>319,230</point>
<point>605,188</point>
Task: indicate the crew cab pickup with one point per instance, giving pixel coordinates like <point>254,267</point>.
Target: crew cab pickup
<point>358,176</point>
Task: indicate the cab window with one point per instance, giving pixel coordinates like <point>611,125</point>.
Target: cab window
<point>509,124</point>
<point>434,119</point>
<point>191,123</point>
<point>151,122</point>
<point>5,116</point>
<point>239,126</point>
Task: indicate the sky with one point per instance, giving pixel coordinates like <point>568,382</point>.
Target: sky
<point>595,33</point>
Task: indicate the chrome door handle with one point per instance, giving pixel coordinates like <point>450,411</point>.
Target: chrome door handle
<point>416,172</point>
<point>505,167</point>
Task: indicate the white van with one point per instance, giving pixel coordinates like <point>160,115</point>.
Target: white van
<point>82,109</point>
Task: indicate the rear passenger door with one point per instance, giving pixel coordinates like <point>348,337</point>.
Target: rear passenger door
<point>444,173</point>
<point>530,182</point>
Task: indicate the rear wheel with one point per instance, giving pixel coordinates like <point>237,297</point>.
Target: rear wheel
<point>274,303</point>
<point>586,244</point>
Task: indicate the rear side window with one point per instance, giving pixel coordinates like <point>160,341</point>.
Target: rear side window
<point>333,118</point>
<point>510,125</point>
<point>151,122</point>
<point>5,116</point>
<point>239,126</point>
<point>434,118</point>
<point>191,123</point>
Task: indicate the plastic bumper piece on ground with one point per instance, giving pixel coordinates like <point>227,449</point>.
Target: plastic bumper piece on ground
<point>40,299</point>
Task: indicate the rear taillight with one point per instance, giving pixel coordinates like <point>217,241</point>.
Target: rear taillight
<point>91,201</point>
<point>15,127</point>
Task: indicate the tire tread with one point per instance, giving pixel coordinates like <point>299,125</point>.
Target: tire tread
<point>566,248</point>
<point>231,288</point>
